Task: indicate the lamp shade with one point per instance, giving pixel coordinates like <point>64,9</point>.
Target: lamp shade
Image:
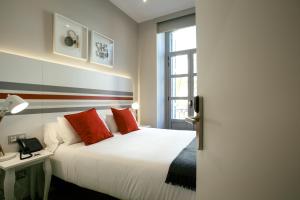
<point>135,106</point>
<point>15,104</point>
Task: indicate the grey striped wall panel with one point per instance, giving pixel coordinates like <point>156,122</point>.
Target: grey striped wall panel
<point>54,90</point>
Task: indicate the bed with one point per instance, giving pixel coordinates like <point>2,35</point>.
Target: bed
<point>132,166</point>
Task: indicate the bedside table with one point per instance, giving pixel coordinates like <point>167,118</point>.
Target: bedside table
<point>11,166</point>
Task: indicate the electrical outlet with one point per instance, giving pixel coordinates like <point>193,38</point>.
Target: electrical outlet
<point>13,138</point>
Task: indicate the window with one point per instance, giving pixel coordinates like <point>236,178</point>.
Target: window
<point>183,39</point>
<point>182,75</point>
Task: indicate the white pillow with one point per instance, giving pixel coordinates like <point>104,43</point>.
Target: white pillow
<point>111,123</point>
<point>66,132</point>
<point>104,122</point>
<point>50,136</point>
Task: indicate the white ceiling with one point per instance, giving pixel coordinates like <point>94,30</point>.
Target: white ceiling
<point>140,11</point>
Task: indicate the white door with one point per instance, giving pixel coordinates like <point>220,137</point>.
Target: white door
<point>249,76</point>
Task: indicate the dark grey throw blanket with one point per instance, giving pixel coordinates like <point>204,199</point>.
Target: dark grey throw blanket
<point>182,171</point>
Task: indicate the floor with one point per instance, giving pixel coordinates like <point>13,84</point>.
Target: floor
<point>62,190</point>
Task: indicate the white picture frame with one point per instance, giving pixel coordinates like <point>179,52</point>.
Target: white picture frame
<point>101,49</point>
<point>76,45</point>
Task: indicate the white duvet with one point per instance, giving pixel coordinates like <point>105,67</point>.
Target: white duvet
<point>128,167</point>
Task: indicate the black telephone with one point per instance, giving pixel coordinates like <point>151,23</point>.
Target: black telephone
<point>28,146</point>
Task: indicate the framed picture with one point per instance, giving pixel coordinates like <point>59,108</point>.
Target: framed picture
<point>70,38</point>
<point>101,50</point>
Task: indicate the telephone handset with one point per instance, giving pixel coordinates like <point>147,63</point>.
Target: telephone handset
<point>28,146</point>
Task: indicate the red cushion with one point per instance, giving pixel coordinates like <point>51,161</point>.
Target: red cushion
<point>89,126</point>
<point>125,121</point>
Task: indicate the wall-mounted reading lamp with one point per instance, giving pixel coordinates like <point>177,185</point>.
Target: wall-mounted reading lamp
<point>13,104</point>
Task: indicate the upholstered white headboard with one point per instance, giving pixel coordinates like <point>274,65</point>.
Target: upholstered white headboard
<point>54,90</point>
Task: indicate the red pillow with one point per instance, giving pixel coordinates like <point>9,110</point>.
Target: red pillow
<point>89,126</point>
<point>125,121</point>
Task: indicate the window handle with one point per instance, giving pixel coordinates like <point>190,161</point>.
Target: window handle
<point>191,103</point>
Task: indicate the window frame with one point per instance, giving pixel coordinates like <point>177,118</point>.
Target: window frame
<point>190,56</point>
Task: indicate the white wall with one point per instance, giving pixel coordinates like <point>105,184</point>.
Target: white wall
<point>147,60</point>
<point>249,75</point>
<point>26,28</point>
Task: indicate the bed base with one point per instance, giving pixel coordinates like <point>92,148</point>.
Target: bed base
<point>61,190</point>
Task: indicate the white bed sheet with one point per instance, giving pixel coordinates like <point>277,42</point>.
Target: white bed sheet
<point>128,167</point>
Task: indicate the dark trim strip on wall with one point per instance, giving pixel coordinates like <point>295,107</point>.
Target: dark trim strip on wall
<point>66,109</point>
<point>49,88</point>
<point>64,97</point>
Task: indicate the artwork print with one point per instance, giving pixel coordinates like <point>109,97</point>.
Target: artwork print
<point>70,38</point>
<point>102,50</point>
